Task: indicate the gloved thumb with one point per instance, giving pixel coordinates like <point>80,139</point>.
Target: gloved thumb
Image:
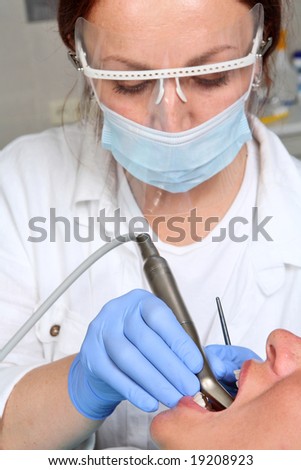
<point>224,360</point>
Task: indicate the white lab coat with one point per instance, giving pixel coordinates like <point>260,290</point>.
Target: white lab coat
<point>68,171</point>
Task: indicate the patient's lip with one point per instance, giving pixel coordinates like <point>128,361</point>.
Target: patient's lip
<point>188,402</point>
<point>243,374</point>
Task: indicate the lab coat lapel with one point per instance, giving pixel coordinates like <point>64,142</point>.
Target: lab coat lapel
<point>282,203</point>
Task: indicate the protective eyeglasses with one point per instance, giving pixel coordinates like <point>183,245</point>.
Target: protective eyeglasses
<point>103,57</point>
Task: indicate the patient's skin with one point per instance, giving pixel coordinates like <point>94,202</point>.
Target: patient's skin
<point>265,414</point>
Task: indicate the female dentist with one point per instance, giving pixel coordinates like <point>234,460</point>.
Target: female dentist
<point>168,144</point>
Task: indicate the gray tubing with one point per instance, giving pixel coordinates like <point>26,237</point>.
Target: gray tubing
<point>60,290</point>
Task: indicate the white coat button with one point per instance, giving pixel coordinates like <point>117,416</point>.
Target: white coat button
<point>55,330</point>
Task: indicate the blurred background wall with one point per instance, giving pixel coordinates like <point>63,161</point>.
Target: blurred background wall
<point>36,75</point>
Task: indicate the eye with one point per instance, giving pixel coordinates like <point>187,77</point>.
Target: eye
<point>131,88</point>
<point>212,81</point>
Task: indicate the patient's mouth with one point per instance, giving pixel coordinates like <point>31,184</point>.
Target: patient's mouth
<point>190,402</point>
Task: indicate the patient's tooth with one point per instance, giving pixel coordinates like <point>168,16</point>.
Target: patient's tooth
<point>237,374</point>
<point>200,400</point>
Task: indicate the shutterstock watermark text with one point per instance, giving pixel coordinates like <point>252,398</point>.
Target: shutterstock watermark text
<point>106,228</point>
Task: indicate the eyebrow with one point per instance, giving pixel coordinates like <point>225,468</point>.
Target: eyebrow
<point>199,60</point>
<point>202,59</point>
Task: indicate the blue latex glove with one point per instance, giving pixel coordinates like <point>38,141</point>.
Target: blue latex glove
<point>135,349</point>
<point>225,359</point>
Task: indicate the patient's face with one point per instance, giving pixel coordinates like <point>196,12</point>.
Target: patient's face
<point>264,414</point>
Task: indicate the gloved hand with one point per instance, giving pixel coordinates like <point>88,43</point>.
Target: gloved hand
<point>135,349</point>
<point>224,360</point>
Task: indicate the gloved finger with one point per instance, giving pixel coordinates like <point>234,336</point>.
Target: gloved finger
<point>224,360</point>
<point>237,354</point>
<point>105,376</point>
<point>160,355</point>
<point>105,338</point>
<point>218,366</point>
<point>130,363</point>
<point>159,317</point>
<point>116,380</point>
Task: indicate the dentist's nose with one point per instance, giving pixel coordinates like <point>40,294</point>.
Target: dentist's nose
<point>284,352</point>
<point>172,111</point>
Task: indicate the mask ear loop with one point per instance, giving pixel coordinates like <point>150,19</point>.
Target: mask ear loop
<point>257,99</point>
<point>257,73</point>
<point>179,91</point>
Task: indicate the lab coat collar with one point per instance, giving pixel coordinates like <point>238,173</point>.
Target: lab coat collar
<point>279,196</point>
<point>96,175</point>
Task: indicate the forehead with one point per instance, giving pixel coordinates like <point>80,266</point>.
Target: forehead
<point>147,20</point>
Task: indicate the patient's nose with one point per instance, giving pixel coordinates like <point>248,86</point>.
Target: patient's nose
<point>284,352</point>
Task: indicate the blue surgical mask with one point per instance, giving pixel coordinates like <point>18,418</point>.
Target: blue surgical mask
<point>177,162</point>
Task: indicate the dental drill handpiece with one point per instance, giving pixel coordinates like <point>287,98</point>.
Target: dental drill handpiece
<point>163,285</point>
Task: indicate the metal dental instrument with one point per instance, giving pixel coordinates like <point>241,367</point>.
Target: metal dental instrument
<point>164,286</point>
<point>225,332</point>
<point>223,322</point>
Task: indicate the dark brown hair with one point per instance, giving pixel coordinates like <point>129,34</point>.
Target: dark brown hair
<point>68,12</point>
<point>273,17</point>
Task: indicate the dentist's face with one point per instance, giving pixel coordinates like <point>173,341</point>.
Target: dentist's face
<point>135,35</point>
<point>265,414</point>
